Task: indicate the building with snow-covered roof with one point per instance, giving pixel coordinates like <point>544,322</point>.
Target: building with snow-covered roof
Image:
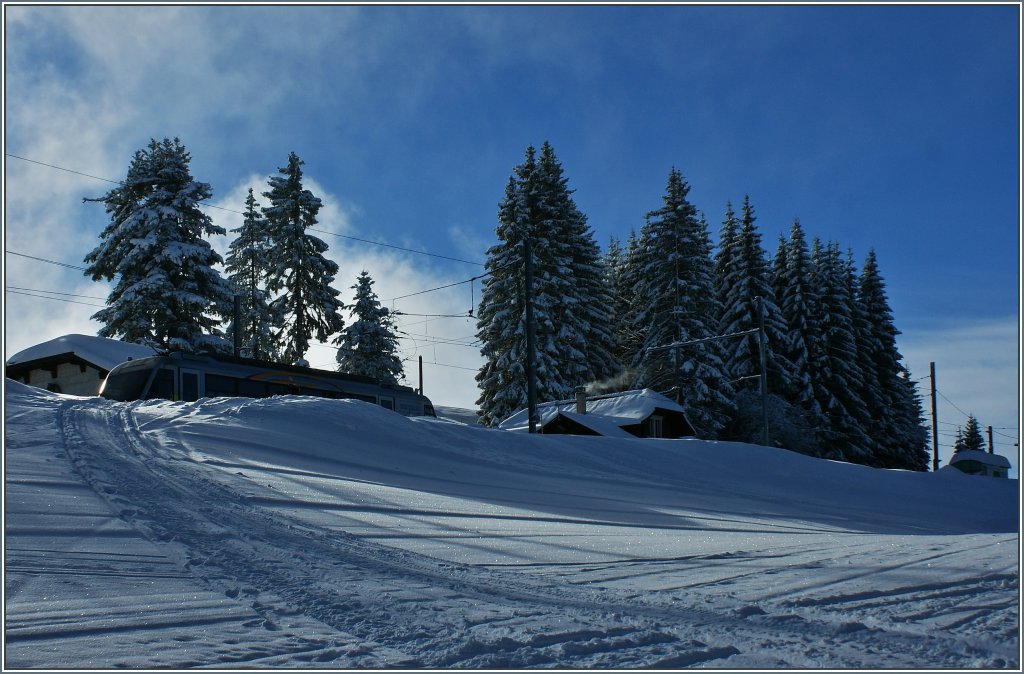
<point>641,414</point>
<point>975,462</point>
<point>73,364</point>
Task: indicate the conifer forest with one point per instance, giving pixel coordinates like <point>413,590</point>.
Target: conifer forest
<point>701,285</point>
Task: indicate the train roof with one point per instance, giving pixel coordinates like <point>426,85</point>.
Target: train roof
<point>282,367</point>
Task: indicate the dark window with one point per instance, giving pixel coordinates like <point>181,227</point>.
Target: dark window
<point>251,389</point>
<point>357,396</point>
<point>163,385</point>
<point>190,386</point>
<point>387,403</point>
<point>125,385</point>
<point>219,385</point>
<point>277,390</point>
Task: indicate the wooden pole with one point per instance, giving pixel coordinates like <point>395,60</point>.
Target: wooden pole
<point>764,372</point>
<point>237,328</point>
<point>531,335</point>
<point>935,422</point>
<point>421,375</point>
<point>991,444</point>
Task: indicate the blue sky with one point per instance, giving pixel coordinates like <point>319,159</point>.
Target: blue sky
<point>886,127</point>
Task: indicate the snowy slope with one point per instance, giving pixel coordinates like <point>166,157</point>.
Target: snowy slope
<point>297,532</point>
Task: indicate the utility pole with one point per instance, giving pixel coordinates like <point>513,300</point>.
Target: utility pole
<point>531,335</point>
<point>743,333</point>
<point>236,329</point>
<point>935,422</point>
<point>421,375</point>
<point>991,444</point>
<point>764,372</point>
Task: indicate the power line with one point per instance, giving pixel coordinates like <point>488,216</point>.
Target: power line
<point>388,245</point>
<point>457,367</point>
<point>952,403</point>
<point>61,168</point>
<point>404,313</point>
<point>58,299</point>
<point>435,340</point>
<point>237,212</point>
<point>54,292</point>
<point>43,259</point>
<point>430,290</point>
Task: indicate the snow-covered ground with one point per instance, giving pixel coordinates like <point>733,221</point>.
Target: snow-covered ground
<point>297,532</point>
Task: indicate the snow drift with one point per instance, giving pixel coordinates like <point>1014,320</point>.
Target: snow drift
<point>297,532</point>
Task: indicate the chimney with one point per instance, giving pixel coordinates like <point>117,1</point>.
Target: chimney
<point>581,400</point>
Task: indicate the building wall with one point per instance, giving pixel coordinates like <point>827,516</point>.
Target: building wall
<point>70,379</point>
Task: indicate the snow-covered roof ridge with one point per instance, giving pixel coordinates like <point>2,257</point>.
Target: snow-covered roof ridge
<point>981,457</point>
<point>624,408</point>
<point>100,351</point>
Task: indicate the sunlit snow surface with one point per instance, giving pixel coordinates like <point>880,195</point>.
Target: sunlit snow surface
<point>296,532</point>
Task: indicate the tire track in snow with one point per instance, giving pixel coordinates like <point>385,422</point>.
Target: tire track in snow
<point>422,612</point>
<point>283,566</point>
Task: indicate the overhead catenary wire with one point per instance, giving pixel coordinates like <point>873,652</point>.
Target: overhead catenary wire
<point>54,292</point>
<point>57,299</point>
<point>43,259</point>
<point>207,204</point>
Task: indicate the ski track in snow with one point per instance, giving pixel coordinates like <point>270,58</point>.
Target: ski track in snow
<point>249,564</point>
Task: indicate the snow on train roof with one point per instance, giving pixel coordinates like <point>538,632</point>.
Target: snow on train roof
<point>100,351</point>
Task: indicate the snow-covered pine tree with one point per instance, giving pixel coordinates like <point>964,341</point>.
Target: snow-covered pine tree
<point>727,256</point>
<point>167,292</point>
<point>570,299</point>
<point>369,346</point>
<point>675,288</point>
<point>971,439</point>
<point>910,420</point>
<point>899,437</point>
<point>746,277</point>
<point>309,307</point>
<point>584,337</point>
<point>797,299</point>
<point>621,263</point>
<point>838,375</point>
<point>245,264</point>
<point>501,325</point>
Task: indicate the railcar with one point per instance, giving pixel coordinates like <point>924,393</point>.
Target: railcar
<point>189,377</point>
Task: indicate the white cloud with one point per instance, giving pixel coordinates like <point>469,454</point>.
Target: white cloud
<point>449,365</point>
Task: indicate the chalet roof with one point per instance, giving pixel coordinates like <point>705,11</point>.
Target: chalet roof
<point>996,460</point>
<point>606,414</point>
<point>101,352</point>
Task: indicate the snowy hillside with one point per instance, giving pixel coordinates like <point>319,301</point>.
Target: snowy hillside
<point>297,532</point>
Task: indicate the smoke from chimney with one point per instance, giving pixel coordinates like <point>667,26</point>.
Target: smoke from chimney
<point>623,381</point>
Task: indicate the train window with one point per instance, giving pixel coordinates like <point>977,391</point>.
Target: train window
<point>251,389</point>
<point>357,396</point>
<point>219,385</point>
<point>125,385</point>
<point>277,390</point>
<point>190,385</point>
<point>163,385</point>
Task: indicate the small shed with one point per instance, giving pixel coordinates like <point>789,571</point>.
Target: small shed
<point>975,462</point>
<point>73,364</point>
<point>641,413</point>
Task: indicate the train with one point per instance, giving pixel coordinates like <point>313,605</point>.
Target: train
<point>188,376</point>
